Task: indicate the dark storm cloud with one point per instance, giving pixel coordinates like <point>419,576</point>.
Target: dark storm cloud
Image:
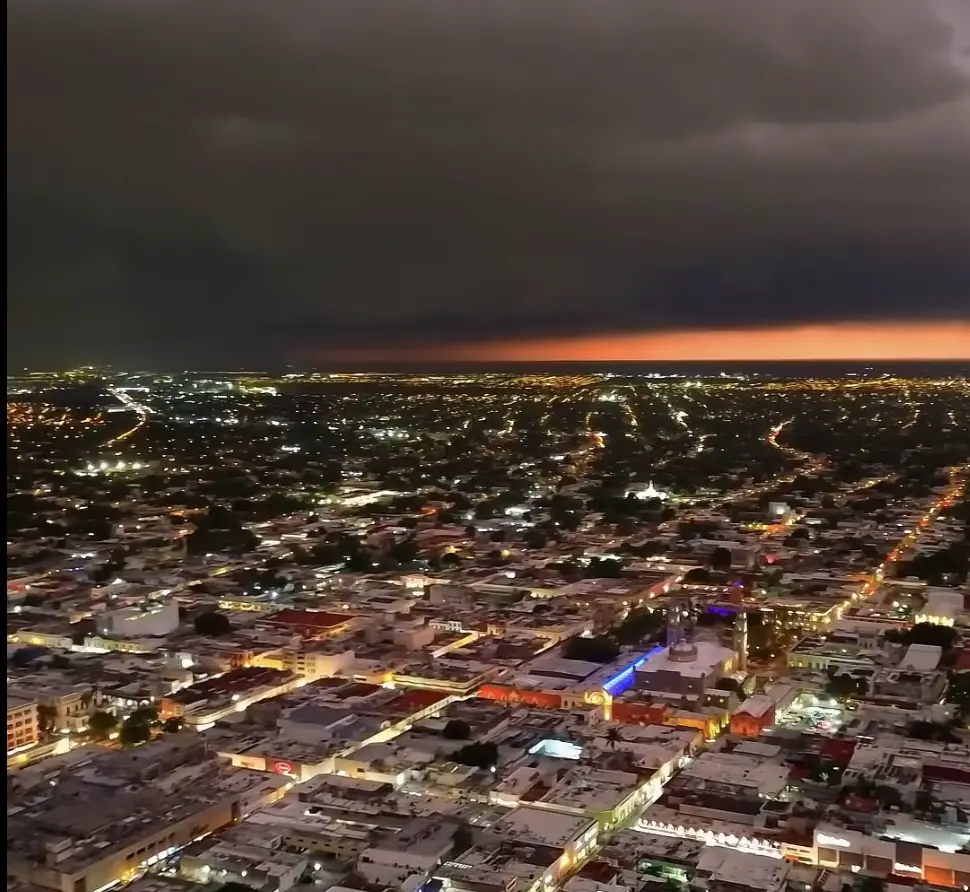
<point>248,179</point>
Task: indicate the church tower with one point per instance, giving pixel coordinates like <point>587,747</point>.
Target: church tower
<point>676,614</point>
<point>741,638</point>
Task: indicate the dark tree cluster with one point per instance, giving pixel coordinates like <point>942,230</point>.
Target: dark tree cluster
<point>639,624</point>
<point>844,687</point>
<point>598,649</point>
<point>220,529</point>
<point>478,754</point>
<point>212,624</point>
<point>948,567</point>
<point>925,633</point>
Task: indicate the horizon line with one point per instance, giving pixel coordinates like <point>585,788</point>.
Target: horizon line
<point>941,341</point>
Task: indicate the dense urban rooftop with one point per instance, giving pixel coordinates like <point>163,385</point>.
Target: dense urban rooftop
<point>588,632</point>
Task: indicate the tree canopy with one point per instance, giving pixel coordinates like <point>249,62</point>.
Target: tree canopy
<point>102,723</point>
<point>721,559</point>
<point>925,633</point>
<point>456,729</point>
<point>480,755</point>
<point>213,624</point>
<point>843,687</point>
<point>599,649</point>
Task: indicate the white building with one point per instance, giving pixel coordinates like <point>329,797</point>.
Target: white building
<point>154,619</point>
<point>734,869</point>
<point>943,607</point>
<point>646,493</point>
<point>315,662</point>
<point>415,851</point>
<point>688,668</point>
<point>238,862</point>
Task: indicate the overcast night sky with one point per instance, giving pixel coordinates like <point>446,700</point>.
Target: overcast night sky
<point>249,182</point>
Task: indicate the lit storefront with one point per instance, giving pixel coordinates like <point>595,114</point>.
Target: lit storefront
<point>901,857</point>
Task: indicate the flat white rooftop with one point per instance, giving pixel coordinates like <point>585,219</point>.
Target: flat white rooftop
<point>529,824</point>
<point>709,656</point>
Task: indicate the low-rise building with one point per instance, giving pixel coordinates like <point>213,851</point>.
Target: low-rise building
<point>687,668</point>
<point>146,811</point>
<point>22,724</point>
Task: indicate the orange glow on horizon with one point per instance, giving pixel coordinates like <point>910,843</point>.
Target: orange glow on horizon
<point>834,342</point>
